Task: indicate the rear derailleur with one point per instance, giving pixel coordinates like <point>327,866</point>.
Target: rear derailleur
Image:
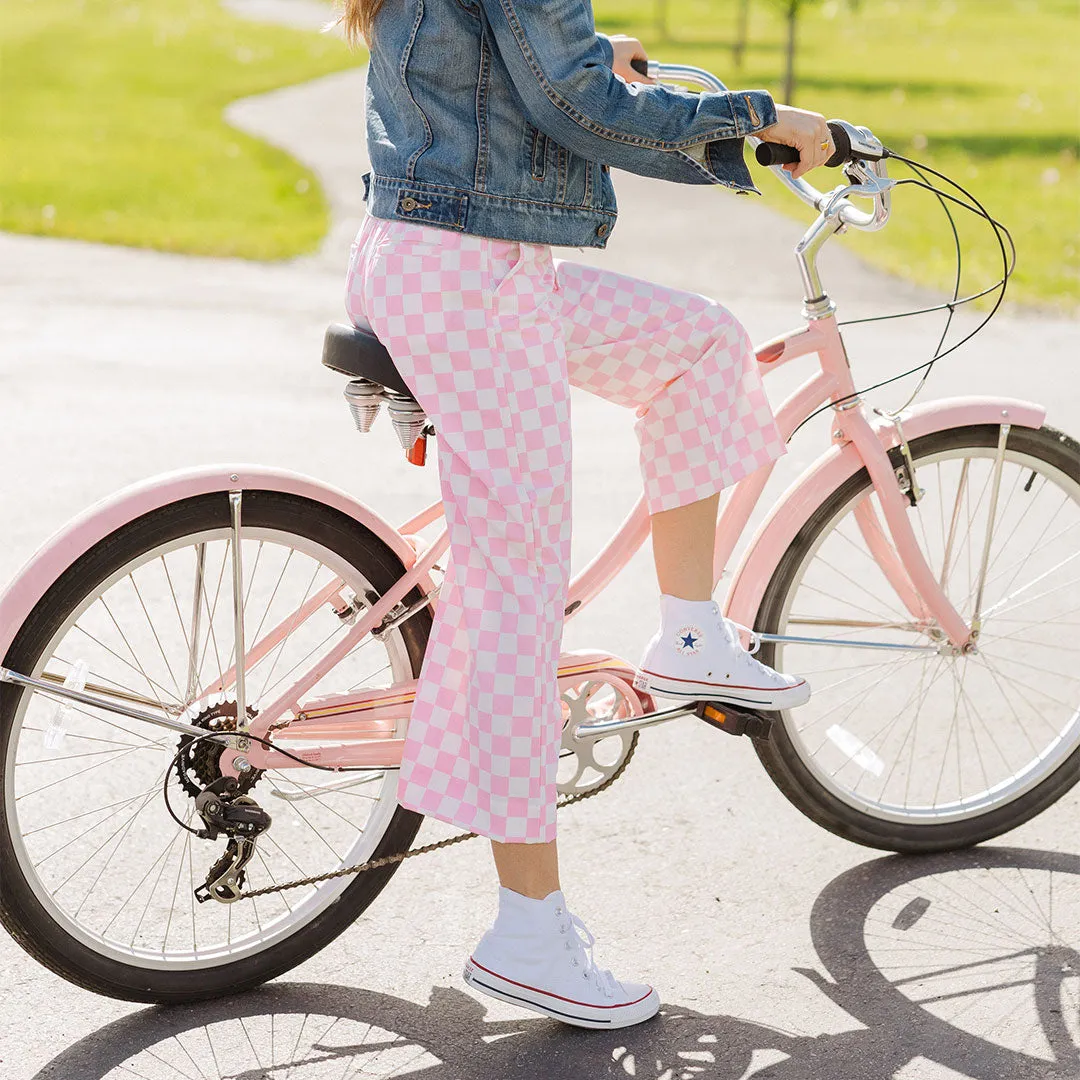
<point>242,820</point>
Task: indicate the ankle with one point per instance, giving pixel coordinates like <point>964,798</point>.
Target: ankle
<point>531,870</point>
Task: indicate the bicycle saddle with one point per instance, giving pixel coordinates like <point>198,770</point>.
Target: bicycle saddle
<point>356,351</point>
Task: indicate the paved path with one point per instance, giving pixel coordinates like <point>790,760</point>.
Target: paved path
<point>693,870</point>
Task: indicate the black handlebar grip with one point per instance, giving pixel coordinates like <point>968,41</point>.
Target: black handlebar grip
<point>640,66</point>
<point>770,153</point>
<point>842,142</point>
<point>778,154</point>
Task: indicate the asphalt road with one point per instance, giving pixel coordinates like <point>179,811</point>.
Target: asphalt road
<point>762,931</point>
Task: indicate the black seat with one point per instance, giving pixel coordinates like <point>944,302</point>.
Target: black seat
<point>359,353</point>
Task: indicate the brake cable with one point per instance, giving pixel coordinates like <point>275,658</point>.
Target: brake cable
<point>1008,262</point>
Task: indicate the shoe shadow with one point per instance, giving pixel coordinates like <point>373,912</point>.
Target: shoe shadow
<point>886,933</point>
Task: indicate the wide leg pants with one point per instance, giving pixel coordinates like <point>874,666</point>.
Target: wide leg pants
<point>489,335</point>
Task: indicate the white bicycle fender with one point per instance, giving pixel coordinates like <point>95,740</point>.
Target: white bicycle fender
<point>105,517</point>
<point>804,496</point>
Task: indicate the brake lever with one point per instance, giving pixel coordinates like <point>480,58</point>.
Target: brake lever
<point>871,182</point>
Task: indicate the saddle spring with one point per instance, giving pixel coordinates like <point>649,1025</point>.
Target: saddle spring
<point>365,398</point>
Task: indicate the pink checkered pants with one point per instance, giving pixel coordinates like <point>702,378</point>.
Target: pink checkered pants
<point>490,335</point>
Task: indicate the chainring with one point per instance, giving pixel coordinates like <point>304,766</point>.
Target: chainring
<point>198,760</point>
<point>588,763</point>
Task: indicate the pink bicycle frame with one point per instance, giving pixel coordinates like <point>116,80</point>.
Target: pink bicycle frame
<point>358,729</point>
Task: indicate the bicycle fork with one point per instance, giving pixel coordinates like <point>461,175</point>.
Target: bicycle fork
<point>902,561</point>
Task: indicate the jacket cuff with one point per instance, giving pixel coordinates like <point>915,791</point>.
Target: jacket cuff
<point>609,49</point>
<point>752,111</point>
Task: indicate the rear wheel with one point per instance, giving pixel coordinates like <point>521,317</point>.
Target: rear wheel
<point>98,878</point>
<point>924,751</point>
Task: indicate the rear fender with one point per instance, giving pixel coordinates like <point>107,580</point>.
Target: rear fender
<point>103,518</point>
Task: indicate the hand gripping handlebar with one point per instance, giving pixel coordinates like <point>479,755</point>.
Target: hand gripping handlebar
<point>856,148</point>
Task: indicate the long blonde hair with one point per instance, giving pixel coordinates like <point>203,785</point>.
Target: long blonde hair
<point>357,17</point>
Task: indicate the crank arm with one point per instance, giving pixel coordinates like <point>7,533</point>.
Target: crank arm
<point>733,719</point>
<point>600,729</point>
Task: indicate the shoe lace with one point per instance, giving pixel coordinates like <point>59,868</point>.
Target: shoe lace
<point>581,942</point>
<point>753,635</point>
<point>731,628</point>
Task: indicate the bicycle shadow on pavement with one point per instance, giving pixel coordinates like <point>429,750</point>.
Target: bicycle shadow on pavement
<point>969,960</point>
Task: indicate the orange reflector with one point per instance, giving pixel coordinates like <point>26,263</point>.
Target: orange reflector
<point>418,453</point>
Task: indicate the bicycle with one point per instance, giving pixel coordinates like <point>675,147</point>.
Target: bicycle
<point>222,633</point>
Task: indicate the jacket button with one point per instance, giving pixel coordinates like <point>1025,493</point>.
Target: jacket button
<point>602,230</point>
<point>408,203</point>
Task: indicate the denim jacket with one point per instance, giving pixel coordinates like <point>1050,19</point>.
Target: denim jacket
<point>502,118</point>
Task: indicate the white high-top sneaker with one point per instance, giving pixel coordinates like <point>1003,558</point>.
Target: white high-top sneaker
<point>539,956</point>
<point>697,654</point>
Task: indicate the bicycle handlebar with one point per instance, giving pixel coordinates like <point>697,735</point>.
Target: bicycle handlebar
<point>862,152</point>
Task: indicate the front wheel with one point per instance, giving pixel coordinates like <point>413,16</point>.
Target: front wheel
<point>97,879</point>
<point>917,751</point>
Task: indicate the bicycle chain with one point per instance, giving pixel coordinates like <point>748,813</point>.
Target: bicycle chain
<point>390,860</point>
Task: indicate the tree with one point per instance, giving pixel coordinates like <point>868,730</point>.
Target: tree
<point>663,26</point>
<point>791,9</point>
<point>742,29</point>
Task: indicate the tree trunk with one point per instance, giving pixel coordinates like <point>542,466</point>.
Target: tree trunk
<point>789,73</point>
<point>741,33</point>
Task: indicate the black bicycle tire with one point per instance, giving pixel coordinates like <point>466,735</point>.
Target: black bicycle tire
<point>777,753</point>
<point>22,914</point>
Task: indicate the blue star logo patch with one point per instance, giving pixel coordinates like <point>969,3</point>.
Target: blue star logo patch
<point>688,640</point>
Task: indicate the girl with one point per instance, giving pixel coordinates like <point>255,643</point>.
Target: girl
<point>492,126</point>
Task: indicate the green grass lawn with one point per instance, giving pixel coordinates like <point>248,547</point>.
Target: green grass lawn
<point>111,120</point>
<point>985,91</point>
<point>111,126</point>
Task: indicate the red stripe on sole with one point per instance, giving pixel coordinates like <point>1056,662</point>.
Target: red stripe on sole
<point>558,997</point>
<point>726,686</point>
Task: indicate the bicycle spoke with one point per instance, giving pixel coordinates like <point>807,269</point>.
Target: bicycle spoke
<point>211,612</point>
<point>138,665</point>
<point>161,858</point>
<point>157,639</point>
<point>288,634</point>
<point>126,663</point>
<point>64,779</point>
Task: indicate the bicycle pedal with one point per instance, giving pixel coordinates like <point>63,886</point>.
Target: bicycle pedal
<point>734,720</point>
